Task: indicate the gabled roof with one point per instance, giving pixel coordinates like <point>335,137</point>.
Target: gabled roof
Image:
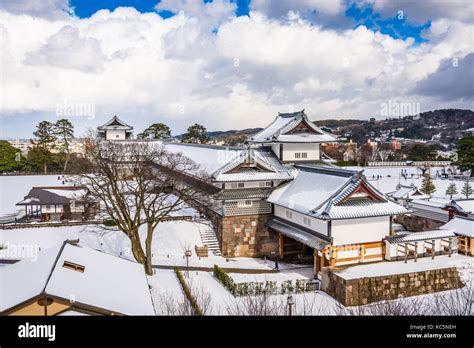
<point>330,193</point>
<point>292,128</point>
<point>115,124</point>
<point>254,164</point>
<point>463,206</point>
<point>54,195</point>
<point>461,226</point>
<point>404,191</point>
<point>108,283</point>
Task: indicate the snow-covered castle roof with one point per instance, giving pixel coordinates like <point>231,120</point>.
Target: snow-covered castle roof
<point>292,128</point>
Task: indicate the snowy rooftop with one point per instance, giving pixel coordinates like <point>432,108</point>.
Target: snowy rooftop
<point>420,236</point>
<point>116,124</point>
<point>210,158</point>
<point>254,164</point>
<point>53,195</point>
<point>108,282</point>
<point>408,192</point>
<point>323,192</point>
<point>461,226</point>
<point>282,130</point>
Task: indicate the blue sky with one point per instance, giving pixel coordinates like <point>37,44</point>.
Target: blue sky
<point>397,26</point>
<point>229,64</point>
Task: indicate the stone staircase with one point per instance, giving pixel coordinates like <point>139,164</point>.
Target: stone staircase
<point>208,238</point>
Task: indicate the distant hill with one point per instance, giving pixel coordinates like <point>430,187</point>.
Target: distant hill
<point>447,124</point>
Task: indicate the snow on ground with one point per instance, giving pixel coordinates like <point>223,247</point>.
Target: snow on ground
<point>169,242</point>
<point>165,290</point>
<point>201,283</point>
<point>390,178</point>
<point>400,267</point>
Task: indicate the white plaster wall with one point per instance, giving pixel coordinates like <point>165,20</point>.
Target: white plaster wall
<point>289,151</point>
<point>115,134</point>
<point>46,209</point>
<point>316,225</point>
<point>363,230</point>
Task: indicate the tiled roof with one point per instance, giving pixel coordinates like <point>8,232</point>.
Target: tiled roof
<point>115,123</point>
<point>272,168</point>
<point>263,192</point>
<point>360,207</point>
<point>284,123</point>
<point>322,192</point>
<point>419,236</point>
<point>460,226</point>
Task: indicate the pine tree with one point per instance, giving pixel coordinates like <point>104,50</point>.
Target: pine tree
<point>156,131</point>
<point>196,134</point>
<point>64,130</point>
<point>452,190</point>
<point>466,189</point>
<point>45,138</point>
<point>427,185</point>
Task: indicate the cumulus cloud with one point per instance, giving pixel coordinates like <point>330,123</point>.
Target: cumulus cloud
<point>67,49</point>
<point>421,11</point>
<point>180,71</point>
<point>453,80</point>
<point>51,9</point>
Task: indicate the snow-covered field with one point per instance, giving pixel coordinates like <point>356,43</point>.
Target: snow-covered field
<point>391,177</point>
<point>169,243</point>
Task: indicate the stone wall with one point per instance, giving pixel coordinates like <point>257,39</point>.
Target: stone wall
<point>417,223</point>
<point>360,291</point>
<point>246,236</point>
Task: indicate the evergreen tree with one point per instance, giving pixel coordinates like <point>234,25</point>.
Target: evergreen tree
<point>10,157</point>
<point>156,131</point>
<point>196,134</point>
<point>452,190</point>
<point>466,189</point>
<point>45,138</point>
<point>64,130</point>
<point>466,154</point>
<point>427,185</point>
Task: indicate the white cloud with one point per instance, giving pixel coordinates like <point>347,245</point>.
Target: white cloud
<point>178,71</point>
<point>51,9</point>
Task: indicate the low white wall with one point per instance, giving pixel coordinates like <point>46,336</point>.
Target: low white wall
<point>115,135</point>
<point>317,225</point>
<point>362,230</point>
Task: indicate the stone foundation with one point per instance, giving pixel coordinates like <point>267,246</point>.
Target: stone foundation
<point>417,223</point>
<point>246,236</point>
<point>360,291</point>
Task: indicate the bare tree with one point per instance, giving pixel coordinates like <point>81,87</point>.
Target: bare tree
<point>459,301</point>
<point>259,305</point>
<point>141,184</point>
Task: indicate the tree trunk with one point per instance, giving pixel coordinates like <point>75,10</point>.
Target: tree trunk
<point>66,162</point>
<point>149,254</point>
<point>137,249</point>
<point>45,167</point>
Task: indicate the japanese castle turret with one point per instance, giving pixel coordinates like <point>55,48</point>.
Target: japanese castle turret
<point>115,129</point>
<point>293,138</point>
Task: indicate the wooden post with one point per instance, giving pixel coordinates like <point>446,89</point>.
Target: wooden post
<point>450,247</point>
<point>361,253</point>
<point>406,252</point>
<point>315,257</point>
<point>416,251</point>
<point>280,245</point>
